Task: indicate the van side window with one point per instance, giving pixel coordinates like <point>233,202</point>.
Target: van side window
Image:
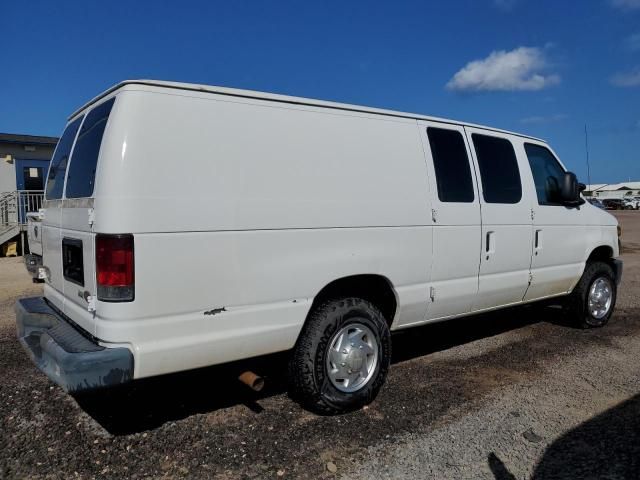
<point>547,173</point>
<point>82,169</point>
<point>451,163</point>
<point>498,169</point>
<point>58,166</point>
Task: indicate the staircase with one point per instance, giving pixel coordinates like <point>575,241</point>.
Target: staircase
<point>9,226</point>
<point>13,209</point>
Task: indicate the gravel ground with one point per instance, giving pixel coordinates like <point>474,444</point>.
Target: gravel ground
<point>514,394</point>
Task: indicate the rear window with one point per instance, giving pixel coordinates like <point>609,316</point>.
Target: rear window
<point>498,169</point>
<point>82,169</point>
<point>55,179</point>
<point>450,161</point>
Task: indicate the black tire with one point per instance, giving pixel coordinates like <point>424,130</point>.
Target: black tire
<point>308,374</point>
<point>577,305</point>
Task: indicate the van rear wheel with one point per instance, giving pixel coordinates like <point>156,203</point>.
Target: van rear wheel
<point>341,358</point>
<point>593,299</point>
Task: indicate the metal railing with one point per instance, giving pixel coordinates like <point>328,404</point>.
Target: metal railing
<point>29,201</point>
<point>15,205</point>
<point>7,202</point>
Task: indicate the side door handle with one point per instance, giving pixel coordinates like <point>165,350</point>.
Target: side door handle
<point>490,244</point>
<point>537,242</point>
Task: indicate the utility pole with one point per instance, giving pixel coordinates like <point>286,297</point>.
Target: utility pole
<point>586,146</point>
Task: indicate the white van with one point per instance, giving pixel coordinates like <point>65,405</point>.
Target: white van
<point>33,259</point>
<point>187,225</point>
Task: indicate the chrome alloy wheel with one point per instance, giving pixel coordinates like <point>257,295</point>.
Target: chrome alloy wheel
<point>600,297</point>
<point>352,357</point>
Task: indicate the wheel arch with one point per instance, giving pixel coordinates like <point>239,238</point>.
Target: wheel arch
<point>374,288</point>
<point>602,253</point>
<point>605,253</point>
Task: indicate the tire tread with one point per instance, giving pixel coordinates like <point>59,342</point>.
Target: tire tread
<point>576,302</point>
<point>302,378</point>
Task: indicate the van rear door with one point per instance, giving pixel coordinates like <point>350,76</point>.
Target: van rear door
<point>52,210</point>
<point>72,249</point>
<point>76,225</point>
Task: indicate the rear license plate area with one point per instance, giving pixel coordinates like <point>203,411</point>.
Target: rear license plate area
<point>72,264</point>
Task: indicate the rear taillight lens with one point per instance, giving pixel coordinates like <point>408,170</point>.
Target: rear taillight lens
<point>114,268</point>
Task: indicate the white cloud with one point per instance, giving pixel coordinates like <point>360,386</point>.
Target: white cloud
<point>626,4</point>
<point>558,117</point>
<point>626,79</point>
<point>633,42</point>
<point>519,69</point>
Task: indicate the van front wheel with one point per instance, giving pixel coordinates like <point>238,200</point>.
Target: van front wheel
<point>341,358</point>
<point>592,301</point>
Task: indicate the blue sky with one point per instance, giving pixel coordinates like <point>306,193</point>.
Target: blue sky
<point>540,67</point>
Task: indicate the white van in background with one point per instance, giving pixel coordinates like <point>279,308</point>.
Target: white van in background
<point>33,259</point>
<point>187,225</point>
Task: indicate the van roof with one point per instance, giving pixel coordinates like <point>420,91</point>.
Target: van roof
<point>235,92</point>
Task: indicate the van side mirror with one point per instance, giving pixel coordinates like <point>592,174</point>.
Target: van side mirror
<point>570,190</point>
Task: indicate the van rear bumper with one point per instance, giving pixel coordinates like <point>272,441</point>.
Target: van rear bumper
<point>72,360</point>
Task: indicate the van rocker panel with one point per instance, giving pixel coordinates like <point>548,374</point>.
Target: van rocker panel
<point>68,358</point>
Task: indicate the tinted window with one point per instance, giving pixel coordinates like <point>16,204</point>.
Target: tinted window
<point>82,169</point>
<point>498,169</point>
<point>58,167</point>
<point>547,173</point>
<point>453,174</point>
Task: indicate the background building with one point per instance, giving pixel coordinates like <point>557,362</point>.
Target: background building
<point>24,161</point>
<point>613,190</point>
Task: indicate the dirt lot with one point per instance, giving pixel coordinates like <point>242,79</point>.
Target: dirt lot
<point>516,394</point>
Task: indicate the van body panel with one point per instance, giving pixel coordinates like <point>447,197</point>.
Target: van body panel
<point>304,261</point>
<point>232,149</point>
<point>244,206</point>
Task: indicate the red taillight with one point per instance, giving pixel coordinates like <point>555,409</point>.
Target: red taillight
<point>114,267</point>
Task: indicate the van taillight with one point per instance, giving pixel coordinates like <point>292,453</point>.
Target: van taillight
<point>114,267</point>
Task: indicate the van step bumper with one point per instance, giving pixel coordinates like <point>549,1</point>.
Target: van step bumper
<point>69,358</point>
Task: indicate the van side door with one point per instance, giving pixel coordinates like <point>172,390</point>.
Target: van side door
<point>456,220</point>
<point>559,241</point>
<point>506,220</point>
